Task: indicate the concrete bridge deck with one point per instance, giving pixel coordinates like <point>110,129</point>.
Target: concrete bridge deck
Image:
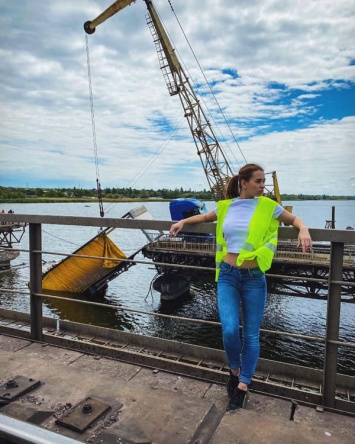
<point>146,405</point>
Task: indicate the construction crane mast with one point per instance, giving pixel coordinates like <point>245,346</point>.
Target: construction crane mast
<point>215,164</point>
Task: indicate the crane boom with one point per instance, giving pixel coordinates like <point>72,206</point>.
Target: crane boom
<point>90,26</point>
<point>215,164</point>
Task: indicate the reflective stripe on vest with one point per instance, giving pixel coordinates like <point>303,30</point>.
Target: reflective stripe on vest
<point>221,246</point>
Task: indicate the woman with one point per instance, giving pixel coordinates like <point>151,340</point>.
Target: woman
<point>246,235</point>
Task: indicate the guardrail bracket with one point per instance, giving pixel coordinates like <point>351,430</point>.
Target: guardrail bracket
<point>16,387</point>
<point>84,415</point>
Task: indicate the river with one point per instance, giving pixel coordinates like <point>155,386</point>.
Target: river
<point>132,288</point>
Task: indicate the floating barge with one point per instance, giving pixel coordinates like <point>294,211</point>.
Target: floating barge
<point>198,253</point>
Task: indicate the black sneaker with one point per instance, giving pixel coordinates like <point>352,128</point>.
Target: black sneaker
<point>232,384</point>
<point>238,400</point>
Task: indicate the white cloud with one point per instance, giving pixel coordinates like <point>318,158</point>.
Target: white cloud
<point>284,56</point>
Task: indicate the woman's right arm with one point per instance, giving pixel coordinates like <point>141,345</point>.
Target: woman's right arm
<point>205,217</point>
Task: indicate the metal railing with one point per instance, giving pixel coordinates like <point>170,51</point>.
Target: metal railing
<point>14,431</point>
<point>337,239</point>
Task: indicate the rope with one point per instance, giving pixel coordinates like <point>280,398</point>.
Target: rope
<point>98,185</point>
<point>149,164</point>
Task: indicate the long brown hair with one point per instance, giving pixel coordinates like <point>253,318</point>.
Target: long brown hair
<point>234,185</point>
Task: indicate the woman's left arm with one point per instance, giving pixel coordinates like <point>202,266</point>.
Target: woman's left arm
<point>304,238</point>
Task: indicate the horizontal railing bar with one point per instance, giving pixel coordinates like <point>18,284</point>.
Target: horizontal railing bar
<point>117,222</point>
<point>300,278</point>
<point>133,310</point>
<point>136,261</point>
<point>22,250</point>
<point>278,252</point>
<point>164,264</point>
<point>343,344</point>
<point>317,234</point>
<point>294,335</point>
<point>15,431</point>
<point>201,321</point>
<point>279,276</point>
<point>350,284</point>
<point>17,291</point>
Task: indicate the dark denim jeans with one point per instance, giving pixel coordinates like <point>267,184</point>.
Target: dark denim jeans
<point>248,287</point>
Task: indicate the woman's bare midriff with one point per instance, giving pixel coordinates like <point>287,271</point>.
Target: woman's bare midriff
<point>231,259</point>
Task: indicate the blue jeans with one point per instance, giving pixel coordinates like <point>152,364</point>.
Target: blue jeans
<point>246,286</point>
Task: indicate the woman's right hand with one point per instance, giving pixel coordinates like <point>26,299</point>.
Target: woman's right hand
<point>176,228</point>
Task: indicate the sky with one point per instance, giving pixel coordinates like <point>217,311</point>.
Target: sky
<point>282,74</point>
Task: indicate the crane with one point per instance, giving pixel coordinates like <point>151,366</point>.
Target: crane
<point>215,164</point>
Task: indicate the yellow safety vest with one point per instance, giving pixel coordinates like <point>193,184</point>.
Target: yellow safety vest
<point>261,242</point>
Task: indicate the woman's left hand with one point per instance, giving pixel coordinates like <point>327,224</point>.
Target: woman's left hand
<point>304,240</point>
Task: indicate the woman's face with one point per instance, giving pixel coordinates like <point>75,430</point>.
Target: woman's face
<point>255,186</point>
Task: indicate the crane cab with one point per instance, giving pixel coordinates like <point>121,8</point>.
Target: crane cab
<point>185,207</point>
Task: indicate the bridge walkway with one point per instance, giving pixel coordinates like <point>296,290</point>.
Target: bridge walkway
<point>147,405</point>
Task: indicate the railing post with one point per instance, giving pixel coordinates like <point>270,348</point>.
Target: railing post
<point>36,281</point>
<point>333,322</point>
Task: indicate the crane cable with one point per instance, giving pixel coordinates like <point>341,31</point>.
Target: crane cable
<point>157,153</point>
<point>235,140</point>
<point>150,162</point>
<point>98,185</point>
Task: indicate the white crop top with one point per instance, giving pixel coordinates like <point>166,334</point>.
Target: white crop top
<point>237,220</point>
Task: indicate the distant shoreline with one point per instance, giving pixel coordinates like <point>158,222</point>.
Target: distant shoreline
<point>126,199</point>
<point>76,200</point>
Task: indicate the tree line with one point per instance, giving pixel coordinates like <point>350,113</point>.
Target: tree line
<point>9,194</point>
<point>23,195</point>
